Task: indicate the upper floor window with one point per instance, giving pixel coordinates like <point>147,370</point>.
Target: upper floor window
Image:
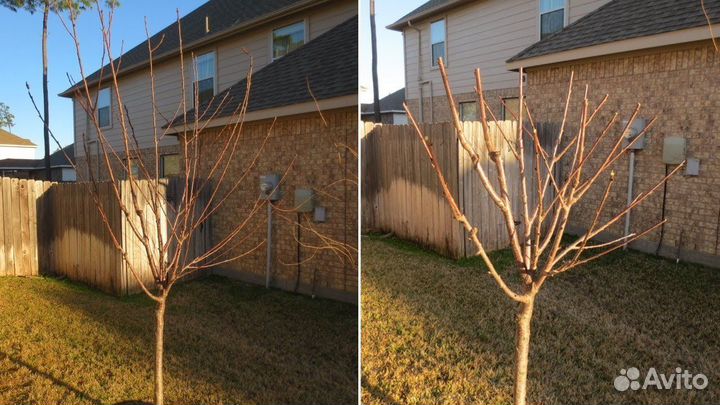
<point>104,110</point>
<point>552,17</point>
<point>437,38</point>
<point>287,39</point>
<point>205,84</point>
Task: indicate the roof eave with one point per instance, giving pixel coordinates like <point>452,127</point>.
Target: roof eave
<point>403,23</point>
<point>627,45</point>
<point>209,39</point>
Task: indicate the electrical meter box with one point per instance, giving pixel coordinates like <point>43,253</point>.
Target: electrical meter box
<point>304,200</point>
<point>270,187</point>
<point>693,167</point>
<point>674,150</point>
<point>633,132</point>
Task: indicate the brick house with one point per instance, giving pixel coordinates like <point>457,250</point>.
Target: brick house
<point>471,34</point>
<point>658,53</point>
<point>303,92</point>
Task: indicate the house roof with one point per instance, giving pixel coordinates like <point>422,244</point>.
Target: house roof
<point>391,103</point>
<point>426,10</point>
<point>225,17</point>
<point>6,138</point>
<point>327,65</point>
<point>57,159</point>
<point>625,19</point>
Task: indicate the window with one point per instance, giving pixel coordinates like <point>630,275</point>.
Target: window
<point>134,168</point>
<point>205,84</point>
<point>469,111</point>
<point>169,165</point>
<point>511,108</point>
<point>552,17</point>
<point>104,113</point>
<point>437,38</point>
<point>287,39</point>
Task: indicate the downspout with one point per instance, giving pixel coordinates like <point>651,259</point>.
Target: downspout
<point>268,263</point>
<point>420,81</point>
<point>631,180</point>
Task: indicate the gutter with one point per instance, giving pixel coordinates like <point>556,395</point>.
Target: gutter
<point>285,12</point>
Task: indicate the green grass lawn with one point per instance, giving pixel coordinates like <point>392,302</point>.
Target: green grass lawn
<point>437,331</point>
<point>226,342</point>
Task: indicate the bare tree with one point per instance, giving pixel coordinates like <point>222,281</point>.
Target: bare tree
<point>166,231</point>
<point>536,232</point>
<point>376,90</point>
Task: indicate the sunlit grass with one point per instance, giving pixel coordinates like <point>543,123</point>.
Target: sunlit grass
<point>437,331</point>
<point>227,342</point>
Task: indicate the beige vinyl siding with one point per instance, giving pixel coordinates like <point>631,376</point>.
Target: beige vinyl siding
<point>482,34</point>
<point>232,65</point>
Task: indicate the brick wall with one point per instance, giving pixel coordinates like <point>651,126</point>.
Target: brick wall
<point>310,154</point>
<point>680,86</point>
<point>439,111</point>
<point>84,163</point>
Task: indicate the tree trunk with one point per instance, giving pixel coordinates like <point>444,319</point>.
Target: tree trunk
<point>522,350</point>
<point>46,101</point>
<point>159,350</point>
<point>376,90</point>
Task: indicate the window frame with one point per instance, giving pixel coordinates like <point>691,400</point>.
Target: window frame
<point>433,65</point>
<point>162,164</point>
<point>462,112</point>
<point>503,109</point>
<point>565,8</point>
<point>196,80</point>
<point>306,36</point>
<point>109,107</point>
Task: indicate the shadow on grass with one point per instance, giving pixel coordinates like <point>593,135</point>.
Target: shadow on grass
<point>440,331</point>
<point>225,342</point>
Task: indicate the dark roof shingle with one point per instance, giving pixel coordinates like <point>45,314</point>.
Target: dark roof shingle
<point>391,102</point>
<point>625,19</point>
<point>328,65</point>
<point>223,15</point>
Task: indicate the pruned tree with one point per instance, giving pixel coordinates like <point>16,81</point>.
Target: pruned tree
<point>7,118</point>
<point>536,231</point>
<point>48,6</point>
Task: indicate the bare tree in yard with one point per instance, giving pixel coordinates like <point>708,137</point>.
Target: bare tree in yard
<point>536,232</point>
<point>166,231</point>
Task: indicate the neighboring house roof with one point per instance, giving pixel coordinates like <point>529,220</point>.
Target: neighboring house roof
<point>57,160</point>
<point>391,103</point>
<point>625,19</point>
<point>8,139</point>
<point>225,17</point>
<point>327,65</point>
<point>426,10</point>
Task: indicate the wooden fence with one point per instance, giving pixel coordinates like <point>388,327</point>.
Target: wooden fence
<point>401,193</point>
<point>56,228</point>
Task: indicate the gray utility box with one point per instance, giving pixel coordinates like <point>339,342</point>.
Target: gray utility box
<point>693,167</point>
<point>270,187</point>
<point>674,150</point>
<point>304,200</point>
<point>633,132</point>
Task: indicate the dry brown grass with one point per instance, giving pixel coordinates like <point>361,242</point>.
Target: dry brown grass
<point>440,332</point>
<point>227,342</point>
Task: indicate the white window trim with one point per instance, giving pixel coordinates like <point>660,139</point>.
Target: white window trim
<point>110,112</point>
<point>445,59</point>
<point>306,39</point>
<point>566,17</point>
<point>215,73</point>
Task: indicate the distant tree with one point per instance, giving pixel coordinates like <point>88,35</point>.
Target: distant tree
<point>7,119</point>
<point>47,6</point>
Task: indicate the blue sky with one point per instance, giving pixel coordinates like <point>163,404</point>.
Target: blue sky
<point>391,72</point>
<point>23,58</point>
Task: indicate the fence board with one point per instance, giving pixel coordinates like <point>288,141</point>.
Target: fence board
<point>401,193</point>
